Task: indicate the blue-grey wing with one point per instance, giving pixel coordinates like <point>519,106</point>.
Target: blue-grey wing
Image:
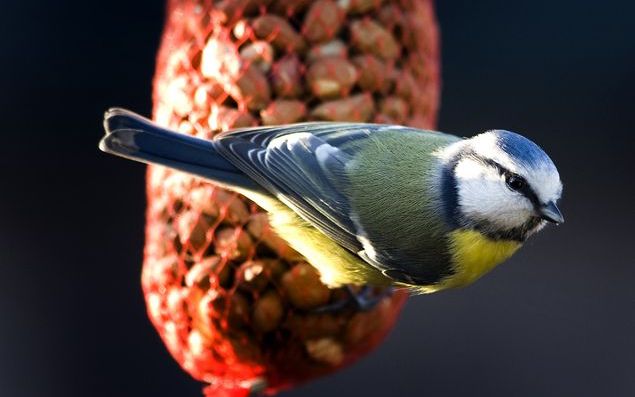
<point>304,166</point>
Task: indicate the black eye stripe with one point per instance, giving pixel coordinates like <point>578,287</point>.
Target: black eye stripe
<point>457,219</point>
<point>525,190</point>
<point>515,181</point>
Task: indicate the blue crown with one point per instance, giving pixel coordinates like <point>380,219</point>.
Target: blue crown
<point>522,150</point>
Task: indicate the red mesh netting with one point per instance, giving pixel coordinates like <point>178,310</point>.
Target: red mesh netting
<point>236,306</point>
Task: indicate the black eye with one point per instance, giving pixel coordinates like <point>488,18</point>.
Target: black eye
<point>515,182</point>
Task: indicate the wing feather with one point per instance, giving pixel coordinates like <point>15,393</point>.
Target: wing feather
<point>303,165</point>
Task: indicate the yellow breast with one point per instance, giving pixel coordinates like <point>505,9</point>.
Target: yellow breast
<point>337,266</point>
<point>475,254</point>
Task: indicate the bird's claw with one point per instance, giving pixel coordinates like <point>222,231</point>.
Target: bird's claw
<point>364,299</point>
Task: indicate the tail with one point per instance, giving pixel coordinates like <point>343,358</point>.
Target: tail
<point>137,138</point>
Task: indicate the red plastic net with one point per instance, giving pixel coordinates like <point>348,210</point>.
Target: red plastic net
<point>236,307</point>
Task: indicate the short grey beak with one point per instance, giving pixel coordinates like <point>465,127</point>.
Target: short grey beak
<point>551,213</point>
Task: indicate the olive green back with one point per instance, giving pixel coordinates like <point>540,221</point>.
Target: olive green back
<point>397,200</point>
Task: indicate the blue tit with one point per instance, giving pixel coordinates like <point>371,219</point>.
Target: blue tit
<point>369,203</point>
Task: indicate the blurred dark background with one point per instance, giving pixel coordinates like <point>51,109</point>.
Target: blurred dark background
<point>558,319</point>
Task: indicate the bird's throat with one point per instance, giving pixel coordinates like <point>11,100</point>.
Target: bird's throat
<point>475,254</point>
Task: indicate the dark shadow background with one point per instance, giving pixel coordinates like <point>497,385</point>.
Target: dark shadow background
<point>556,320</point>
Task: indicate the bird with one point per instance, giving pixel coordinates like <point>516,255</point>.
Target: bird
<point>371,204</point>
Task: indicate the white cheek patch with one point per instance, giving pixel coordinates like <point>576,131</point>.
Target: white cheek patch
<point>483,196</point>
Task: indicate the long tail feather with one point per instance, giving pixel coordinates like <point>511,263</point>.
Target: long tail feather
<point>132,136</point>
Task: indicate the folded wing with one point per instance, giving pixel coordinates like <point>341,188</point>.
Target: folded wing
<point>304,166</point>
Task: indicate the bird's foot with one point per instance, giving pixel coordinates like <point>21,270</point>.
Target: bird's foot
<point>362,299</point>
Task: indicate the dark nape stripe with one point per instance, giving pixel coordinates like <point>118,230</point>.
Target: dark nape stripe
<point>450,193</point>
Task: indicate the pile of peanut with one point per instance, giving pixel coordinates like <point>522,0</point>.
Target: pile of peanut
<point>232,302</point>
<point>278,62</point>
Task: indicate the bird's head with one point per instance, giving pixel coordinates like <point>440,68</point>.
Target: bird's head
<point>501,184</point>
